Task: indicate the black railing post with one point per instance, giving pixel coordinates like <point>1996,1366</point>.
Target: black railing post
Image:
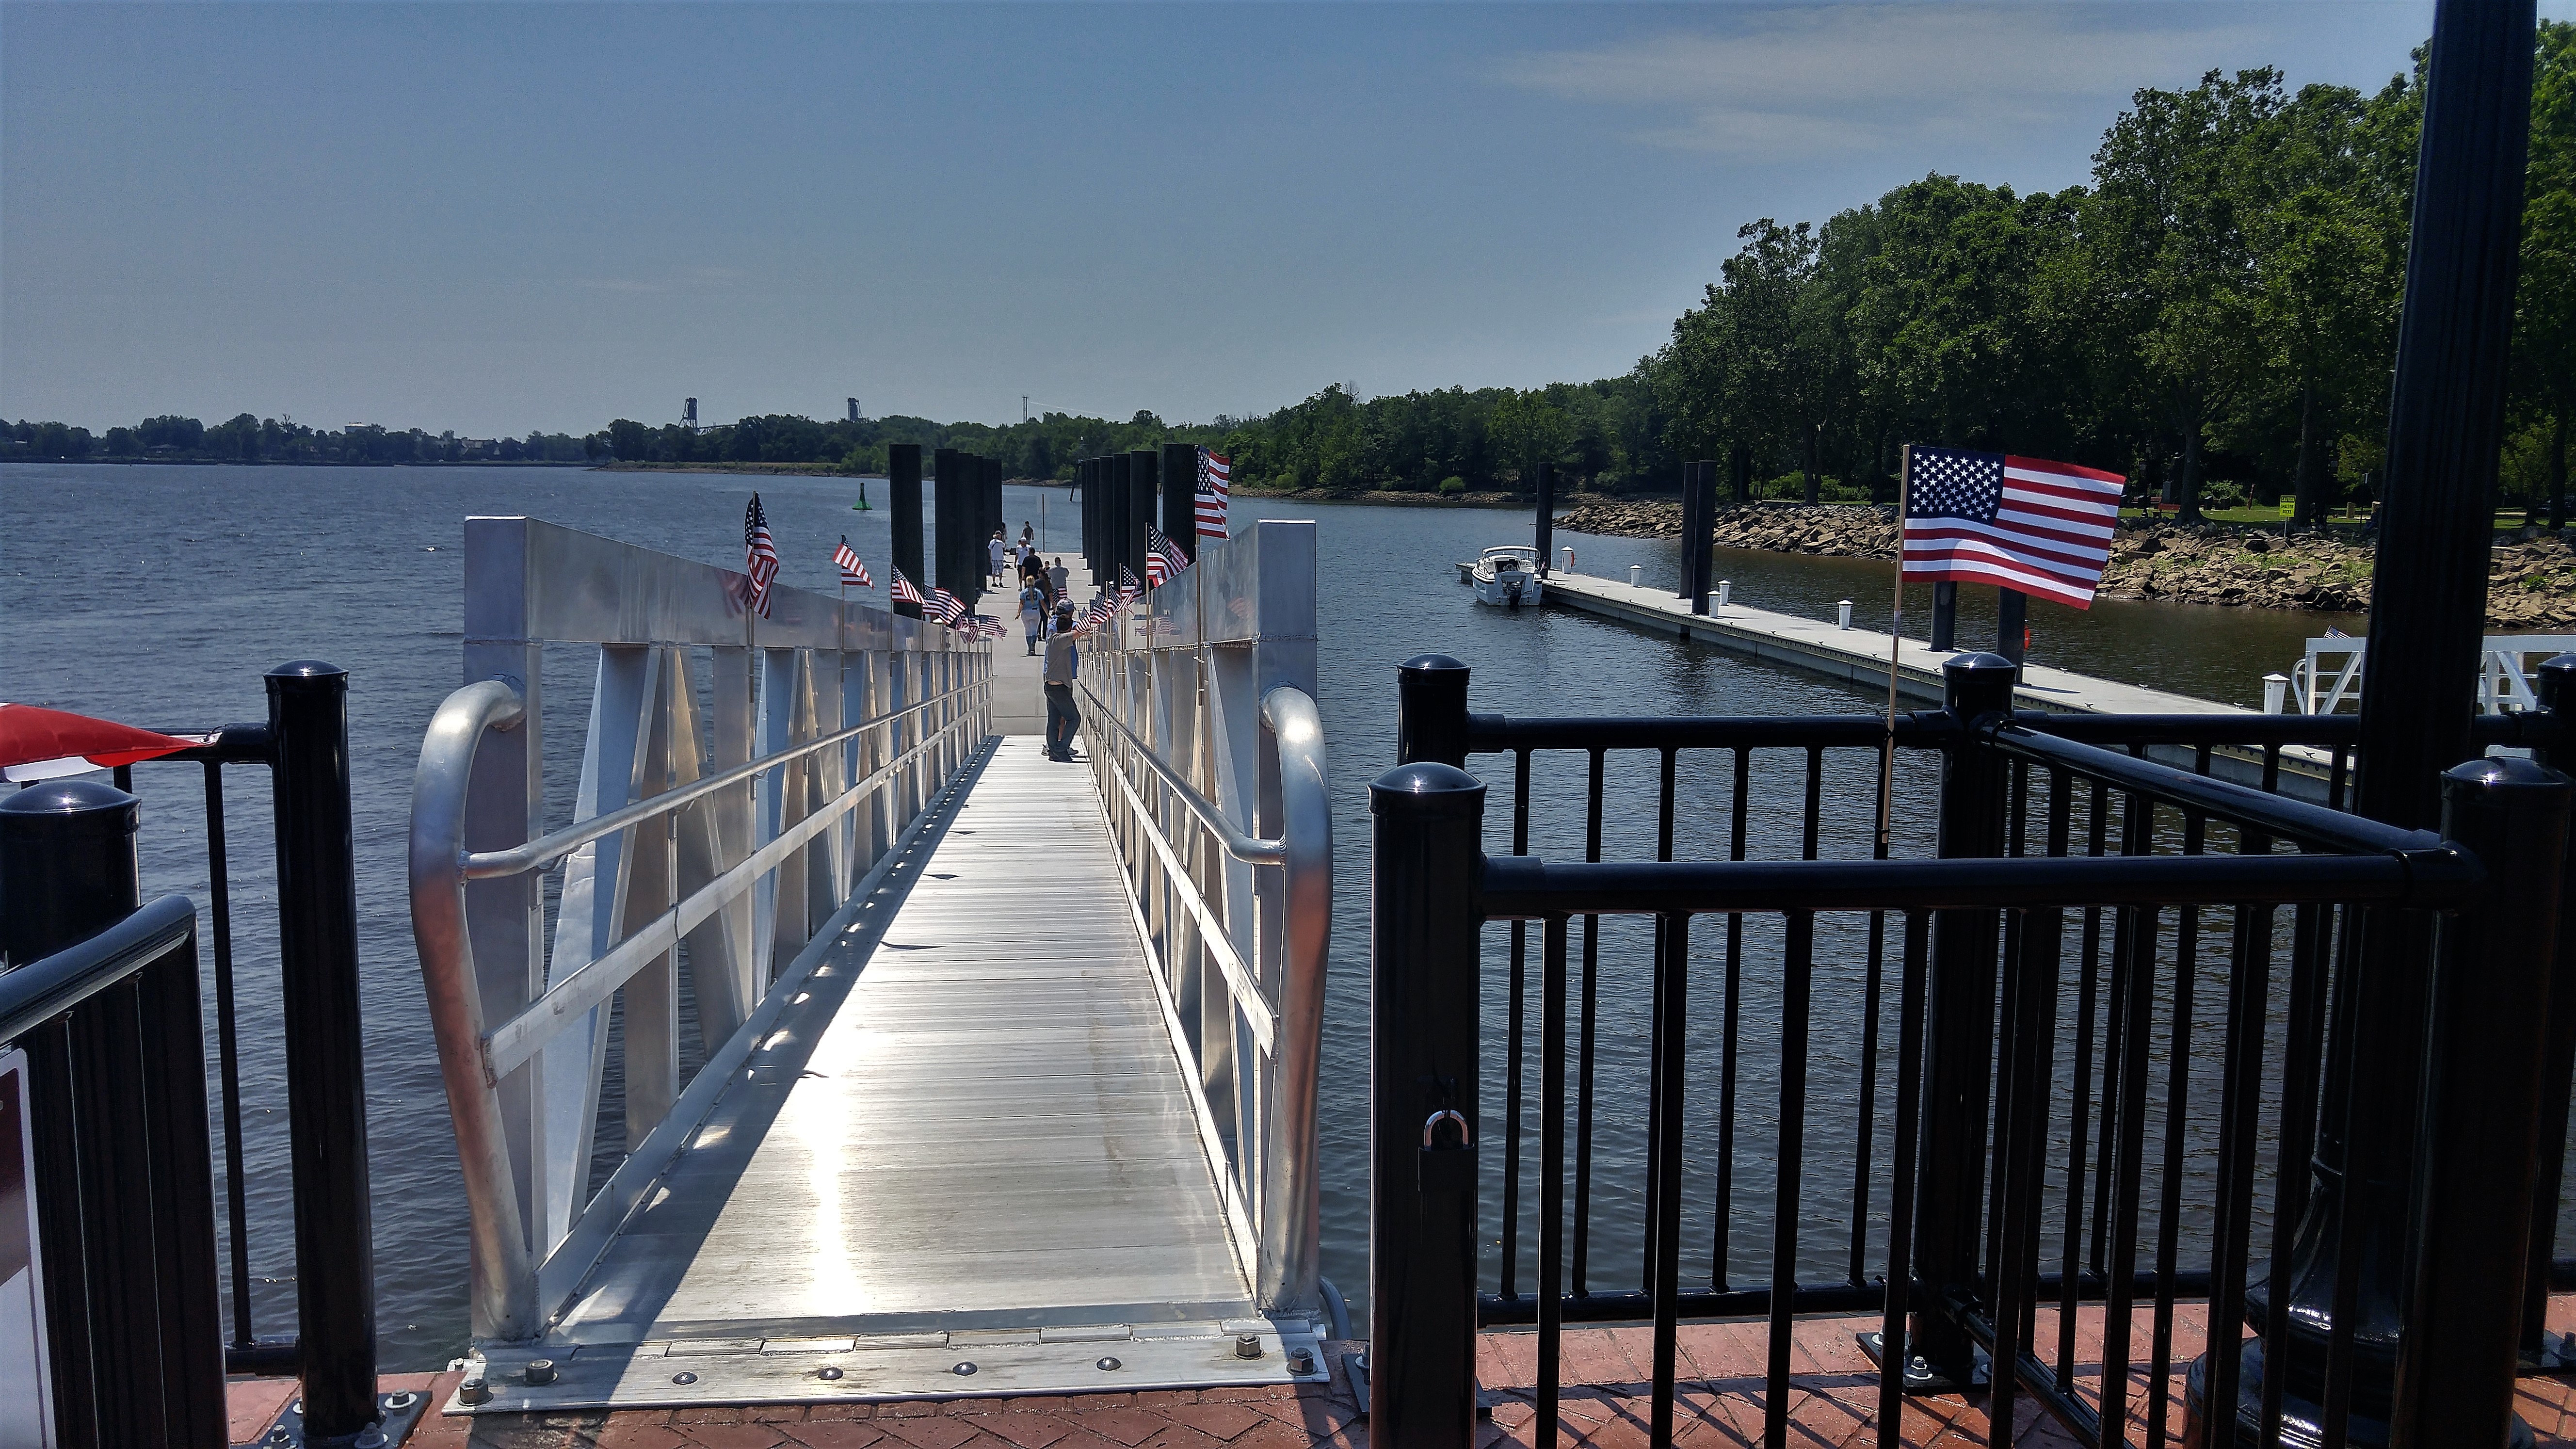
<point>117,1109</point>
<point>2556,687</point>
<point>1960,1027</point>
<point>1431,711</point>
<point>2471,1217</point>
<point>67,866</point>
<point>1546,529</point>
<point>326,1065</point>
<point>1423,1014</point>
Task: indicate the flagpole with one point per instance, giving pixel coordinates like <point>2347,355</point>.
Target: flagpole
<point>1895,646</point>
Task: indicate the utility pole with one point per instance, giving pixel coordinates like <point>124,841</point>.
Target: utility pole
<point>1024,407</point>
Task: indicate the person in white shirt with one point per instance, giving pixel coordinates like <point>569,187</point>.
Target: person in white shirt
<point>993,552</point>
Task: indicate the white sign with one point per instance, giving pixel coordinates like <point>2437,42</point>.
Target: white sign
<point>26,1410</point>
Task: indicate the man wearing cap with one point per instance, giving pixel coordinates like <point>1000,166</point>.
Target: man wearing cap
<point>1062,718</point>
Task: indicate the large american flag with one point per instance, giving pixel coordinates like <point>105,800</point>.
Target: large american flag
<point>853,570</point>
<point>1163,558</point>
<point>1215,470</point>
<point>760,555</point>
<point>905,591</point>
<point>2023,523</point>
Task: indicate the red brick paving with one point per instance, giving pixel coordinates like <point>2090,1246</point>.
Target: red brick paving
<point>1718,1404</point>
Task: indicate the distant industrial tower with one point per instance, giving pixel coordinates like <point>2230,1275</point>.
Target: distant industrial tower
<point>854,410</point>
<point>689,415</point>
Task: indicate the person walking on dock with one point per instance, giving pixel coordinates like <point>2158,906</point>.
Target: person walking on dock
<point>1062,718</point>
<point>1055,582</point>
<point>993,555</point>
<point>1032,610</point>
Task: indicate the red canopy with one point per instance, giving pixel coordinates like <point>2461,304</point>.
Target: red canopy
<point>39,744</point>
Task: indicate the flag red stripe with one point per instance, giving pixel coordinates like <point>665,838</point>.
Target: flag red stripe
<point>1966,571</point>
<point>2013,463</point>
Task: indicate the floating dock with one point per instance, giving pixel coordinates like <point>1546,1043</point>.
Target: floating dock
<point>1860,656</point>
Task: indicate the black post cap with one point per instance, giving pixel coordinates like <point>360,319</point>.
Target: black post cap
<point>304,669</point>
<point>1426,788</point>
<point>70,809</point>
<point>1971,665</point>
<point>1430,664</point>
<point>2555,672</point>
<point>2500,773</point>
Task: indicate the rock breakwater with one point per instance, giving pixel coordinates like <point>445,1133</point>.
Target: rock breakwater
<point>2531,581</point>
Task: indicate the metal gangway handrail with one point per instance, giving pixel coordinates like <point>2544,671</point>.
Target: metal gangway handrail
<point>1199,712</point>
<point>2327,678</point>
<point>835,728</point>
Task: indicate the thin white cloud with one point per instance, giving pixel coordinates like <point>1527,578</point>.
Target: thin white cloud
<point>1840,80</point>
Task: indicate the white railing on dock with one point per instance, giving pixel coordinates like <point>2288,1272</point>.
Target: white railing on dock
<point>1200,719</point>
<point>2327,679</point>
<point>832,727</point>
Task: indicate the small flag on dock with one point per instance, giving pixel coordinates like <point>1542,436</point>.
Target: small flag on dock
<point>1099,612</point>
<point>2026,524</point>
<point>904,590</point>
<point>760,555</point>
<point>1128,588</point>
<point>853,569</point>
<point>1163,558</point>
<point>1215,472</point>
<point>946,607</point>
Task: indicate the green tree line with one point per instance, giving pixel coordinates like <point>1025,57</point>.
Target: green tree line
<point>246,438</point>
<point>2213,315</point>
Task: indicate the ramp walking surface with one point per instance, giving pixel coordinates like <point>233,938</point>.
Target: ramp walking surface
<point>971,1122</point>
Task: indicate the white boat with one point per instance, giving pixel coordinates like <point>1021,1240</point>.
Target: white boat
<point>1507,576</point>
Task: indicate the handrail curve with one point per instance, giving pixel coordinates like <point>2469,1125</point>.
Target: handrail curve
<point>1292,1232</point>
<point>503,1285</point>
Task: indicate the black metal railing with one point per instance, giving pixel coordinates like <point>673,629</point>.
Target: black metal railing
<point>2049,841</point>
<point>304,746</point>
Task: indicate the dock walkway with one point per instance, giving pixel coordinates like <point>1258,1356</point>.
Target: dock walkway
<point>968,1142</point>
<point>1855,654</point>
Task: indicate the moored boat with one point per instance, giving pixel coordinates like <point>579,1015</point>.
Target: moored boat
<point>1507,576</point>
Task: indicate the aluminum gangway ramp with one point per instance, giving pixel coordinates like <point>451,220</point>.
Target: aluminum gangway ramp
<point>966,1159</point>
<point>1007,1067</point>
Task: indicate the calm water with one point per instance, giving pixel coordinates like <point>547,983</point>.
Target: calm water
<point>158,595</point>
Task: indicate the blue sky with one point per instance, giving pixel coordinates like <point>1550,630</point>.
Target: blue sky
<point>498,217</point>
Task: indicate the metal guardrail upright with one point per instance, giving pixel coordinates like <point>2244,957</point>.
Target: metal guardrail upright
<point>834,728</point>
<point>2078,896</point>
<point>1199,712</point>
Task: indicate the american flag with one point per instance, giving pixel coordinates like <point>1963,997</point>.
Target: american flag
<point>760,555</point>
<point>1163,558</point>
<point>1128,588</point>
<point>2039,527</point>
<point>1215,469</point>
<point>946,607</point>
<point>1100,610</point>
<point>853,571</point>
<point>903,590</point>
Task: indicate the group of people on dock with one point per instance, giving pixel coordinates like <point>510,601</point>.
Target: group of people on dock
<point>1047,615</point>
